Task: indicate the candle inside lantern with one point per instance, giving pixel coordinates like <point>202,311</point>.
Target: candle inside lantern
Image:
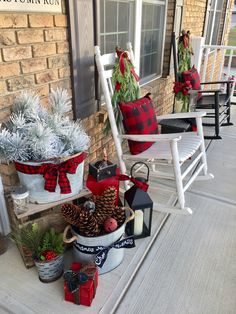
<point>138,222</point>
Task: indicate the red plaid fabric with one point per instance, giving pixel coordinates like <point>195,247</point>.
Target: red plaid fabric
<point>193,77</point>
<point>54,173</point>
<point>139,118</point>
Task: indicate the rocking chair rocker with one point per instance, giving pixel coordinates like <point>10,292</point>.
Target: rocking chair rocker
<point>181,150</point>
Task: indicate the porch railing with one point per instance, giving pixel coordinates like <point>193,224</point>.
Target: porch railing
<point>214,62</point>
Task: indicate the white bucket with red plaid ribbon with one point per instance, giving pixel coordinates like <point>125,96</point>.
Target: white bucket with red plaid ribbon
<point>51,181</point>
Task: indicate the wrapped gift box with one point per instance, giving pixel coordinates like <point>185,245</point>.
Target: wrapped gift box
<point>85,292</point>
<point>98,187</point>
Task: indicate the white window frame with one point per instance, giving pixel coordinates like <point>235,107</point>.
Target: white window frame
<point>137,37</point>
<point>214,10</point>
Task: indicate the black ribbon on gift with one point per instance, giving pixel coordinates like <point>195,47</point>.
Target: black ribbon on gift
<point>74,279</point>
<point>102,251</point>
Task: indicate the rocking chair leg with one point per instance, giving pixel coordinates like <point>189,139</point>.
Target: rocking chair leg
<point>217,118</point>
<point>177,173</point>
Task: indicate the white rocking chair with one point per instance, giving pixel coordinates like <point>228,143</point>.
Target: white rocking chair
<point>170,149</point>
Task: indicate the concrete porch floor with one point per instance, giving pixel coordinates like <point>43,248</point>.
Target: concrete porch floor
<point>186,266</point>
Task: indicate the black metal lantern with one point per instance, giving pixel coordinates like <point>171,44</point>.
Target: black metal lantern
<point>142,205</point>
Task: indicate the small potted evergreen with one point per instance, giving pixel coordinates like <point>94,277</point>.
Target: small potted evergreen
<point>45,247</point>
<point>46,146</point>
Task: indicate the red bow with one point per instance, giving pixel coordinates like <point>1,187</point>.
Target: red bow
<point>182,87</point>
<point>141,185</point>
<point>54,172</point>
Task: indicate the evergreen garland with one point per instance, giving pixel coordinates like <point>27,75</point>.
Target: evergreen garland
<point>126,87</point>
<point>184,52</point>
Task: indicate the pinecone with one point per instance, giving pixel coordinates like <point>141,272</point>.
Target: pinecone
<point>119,215</point>
<point>71,213</point>
<point>105,204</point>
<point>87,224</point>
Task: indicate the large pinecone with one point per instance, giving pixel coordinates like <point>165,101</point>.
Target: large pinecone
<point>119,215</point>
<point>88,225</point>
<point>71,213</point>
<point>105,204</point>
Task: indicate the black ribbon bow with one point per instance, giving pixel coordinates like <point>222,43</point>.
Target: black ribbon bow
<point>74,279</point>
<point>102,251</point>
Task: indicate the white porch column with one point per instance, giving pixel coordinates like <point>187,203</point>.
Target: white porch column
<point>197,43</point>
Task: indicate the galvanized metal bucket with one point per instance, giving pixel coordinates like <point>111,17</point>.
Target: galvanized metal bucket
<point>114,256</point>
<point>50,270</point>
<point>35,183</point>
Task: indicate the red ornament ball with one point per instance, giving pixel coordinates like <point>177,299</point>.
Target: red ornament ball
<point>110,225</point>
<point>49,255</point>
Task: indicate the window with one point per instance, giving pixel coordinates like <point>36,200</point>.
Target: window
<point>213,33</point>
<point>140,22</point>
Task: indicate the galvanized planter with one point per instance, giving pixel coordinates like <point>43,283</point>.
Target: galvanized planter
<point>114,257</point>
<point>35,183</point>
<point>52,270</point>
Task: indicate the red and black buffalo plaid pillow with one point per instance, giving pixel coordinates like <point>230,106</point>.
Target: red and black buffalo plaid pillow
<point>193,77</point>
<point>139,118</point>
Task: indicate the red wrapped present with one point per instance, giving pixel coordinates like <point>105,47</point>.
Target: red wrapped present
<point>98,187</point>
<point>80,284</point>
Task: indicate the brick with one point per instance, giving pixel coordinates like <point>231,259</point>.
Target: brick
<point>3,87</point>
<point>42,91</point>
<point>30,36</point>
<point>58,61</point>
<point>33,65</point>
<point>55,34</point>
<point>64,72</point>
<point>17,53</point>
<point>9,69</point>
<point>62,47</point>
<point>7,38</point>
<point>60,20</point>
<point>7,101</point>
<point>61,84</point>
<point>45,102</point>
<point>41,50</point>
<point>36,20</point>
<point>4,114</point>
<point>46,76</point>
<point>13,20</point>
<point>20,82</point>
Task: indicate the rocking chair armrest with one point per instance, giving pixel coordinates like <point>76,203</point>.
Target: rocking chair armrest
<point>151,137</point>
<point>209,91</point>
<point>218,82</point>
<point>182,115</point>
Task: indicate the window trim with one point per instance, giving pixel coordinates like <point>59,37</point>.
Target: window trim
<point>208,11</point>
<point>137,38</point>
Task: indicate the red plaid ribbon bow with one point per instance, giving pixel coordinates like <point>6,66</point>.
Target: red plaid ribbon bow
<point>54,172</point>
<point>182,87</point>
<point>141,185</point>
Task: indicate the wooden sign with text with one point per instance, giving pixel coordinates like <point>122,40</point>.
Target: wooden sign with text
<point>50,6</point>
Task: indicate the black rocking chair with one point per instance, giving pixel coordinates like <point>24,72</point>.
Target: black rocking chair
<point>215,102</point>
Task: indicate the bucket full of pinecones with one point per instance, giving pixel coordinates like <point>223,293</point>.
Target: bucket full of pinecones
<point>97,228</point>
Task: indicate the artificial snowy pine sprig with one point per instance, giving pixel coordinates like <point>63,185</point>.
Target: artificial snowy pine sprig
<point>42,142</point>
<point>33,133</point>
<point>74,138</point>
<point>15,146</point>
<point>60,101</point>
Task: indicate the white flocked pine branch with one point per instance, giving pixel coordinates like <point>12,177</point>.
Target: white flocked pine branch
<point>34,133</point>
